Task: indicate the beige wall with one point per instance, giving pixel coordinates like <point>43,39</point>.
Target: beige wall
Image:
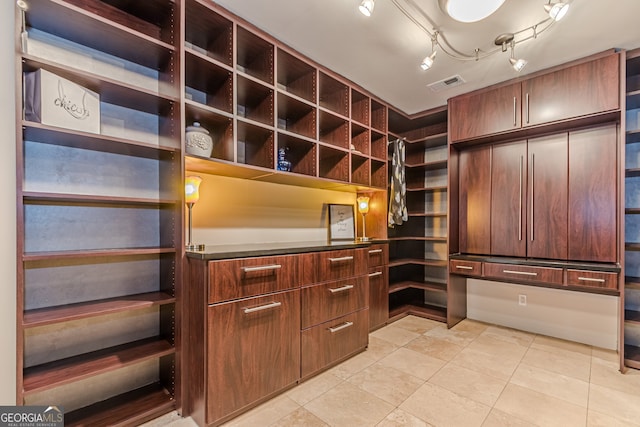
<point>7,209</point>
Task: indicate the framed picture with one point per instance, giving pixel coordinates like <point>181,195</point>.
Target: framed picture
<point>341,222</point>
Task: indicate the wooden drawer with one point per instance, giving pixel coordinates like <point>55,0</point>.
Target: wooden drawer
<point>523,273</point>
<point>245,277</point>
<point>332,341</point>
<point>321,303</point>
<point>595,279</point>
<point>336,265</point>
<point>378,255</point>
<point>378,297</point>
<point>465,268</point>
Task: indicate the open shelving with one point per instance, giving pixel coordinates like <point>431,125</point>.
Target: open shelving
<point>99,214</point>
<point>296,116</point>
<point>255,145</point>
<point>254,55</point>
<point>208,33</point>
<point>333,95</point>
<point>296,76</point>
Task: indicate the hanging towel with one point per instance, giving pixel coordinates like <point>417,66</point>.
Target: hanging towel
<point>398,194</point>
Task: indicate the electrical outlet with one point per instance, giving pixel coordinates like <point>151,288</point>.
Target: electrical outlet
<point>522,300</point>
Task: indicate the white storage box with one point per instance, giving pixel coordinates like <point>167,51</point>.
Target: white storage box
<point>53,100</point>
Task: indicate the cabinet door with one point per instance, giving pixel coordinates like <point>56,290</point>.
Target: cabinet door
<point>575,91</point>
<point>547,197</point>
<point>378,297</point>
<point>475,200</point>
<point>508,199</point>
<point>253,349</point>
<point>593,194</point>
<point>484,113</point>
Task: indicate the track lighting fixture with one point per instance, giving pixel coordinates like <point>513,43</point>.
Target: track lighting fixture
<point>556,10</point>
<point>366,7</point>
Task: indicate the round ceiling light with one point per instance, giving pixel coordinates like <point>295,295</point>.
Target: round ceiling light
<point>469,10</point>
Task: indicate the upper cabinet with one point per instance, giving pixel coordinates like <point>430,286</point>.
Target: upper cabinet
<point>578,91</point>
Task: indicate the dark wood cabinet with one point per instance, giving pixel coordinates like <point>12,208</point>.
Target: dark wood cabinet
<point>378,285</point>
<point>587,88</point>
<point>508,199</point>
<point>253,348</point>
<point>475,200</point>
<point>485,112</point>
<point>593,178</point>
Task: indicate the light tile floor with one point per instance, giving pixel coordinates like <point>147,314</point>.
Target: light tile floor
<point>416,372</point>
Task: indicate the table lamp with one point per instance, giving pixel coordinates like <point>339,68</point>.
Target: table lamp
<point>363,208</point>
<point>191,196</point>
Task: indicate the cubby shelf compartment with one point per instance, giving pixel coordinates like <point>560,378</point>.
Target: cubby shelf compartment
<point>208,33</point>
<point>333,95</point>
<point>360,169</point>
<point>296,76</point>
<point>360,138</point>
<point>220,127</point>
<point>132,408</point>
<point>378,174</point>
<point>378,145</point>
<point>75,368</point>
<point>53,16</point>
<point>255,145</point>
<point>255,55</point>
<point>632,356</point>
<point>110,91</point>
<point>334,164</point>
<point>208,83</point>
<point>58,314</point>
<point>296,116</point>
<point>378,116</point>
<point>333,130</point>
<point>359,107</point>
<point>632,136</point>
<point>255,101</point>
<point>300,152</point>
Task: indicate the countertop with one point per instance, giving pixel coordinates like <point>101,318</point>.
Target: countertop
<point>245,250</point>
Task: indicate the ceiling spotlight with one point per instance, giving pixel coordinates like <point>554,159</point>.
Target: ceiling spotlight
<point>366,7</point>
<point>517,64</point>
<point>556,10</point>
<point>469,10</point>
<point>427,62</point>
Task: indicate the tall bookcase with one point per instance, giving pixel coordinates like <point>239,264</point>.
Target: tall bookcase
<point>100,214</point>
<point>630,294</point>
<point>418,249</point>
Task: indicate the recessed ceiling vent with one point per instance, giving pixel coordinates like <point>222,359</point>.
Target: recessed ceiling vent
<point>446,83</point>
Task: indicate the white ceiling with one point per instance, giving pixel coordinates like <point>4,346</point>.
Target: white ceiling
<point>382,53</point>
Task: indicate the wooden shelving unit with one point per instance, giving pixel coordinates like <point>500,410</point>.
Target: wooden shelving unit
<point>630,293</point>
<point>418,248</point>
<point>100,215</point>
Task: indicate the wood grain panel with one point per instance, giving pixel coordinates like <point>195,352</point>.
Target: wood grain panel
<point>465,268</point>
<point>547,197</point>
<point>582,89</point>
<point>332,341</point>
<point>523,273</point>
<point>245,277</point>
<point>484,113</point>
<point>475,201</point>
<point>596,279</point>
<point>508,199</point>
<point>378,297</point>
<point>335,265</point>
<point>378,255</point>
<point>251,354</point>
<point>321,303</point>
<point>592,194</point>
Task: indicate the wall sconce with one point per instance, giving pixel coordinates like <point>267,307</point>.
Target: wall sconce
<point>363,208</point>
<point>366,7</point>
<point>191,196</point>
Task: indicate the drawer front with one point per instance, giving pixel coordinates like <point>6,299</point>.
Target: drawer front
<point>465,268</point>
<point>523,273</point>
<point>378,255</point>
<point>321,303</point>
<point>246,277</point>
<point>378,297</point>
<point>329,342</point>
<point>594,279</point>
<point>253,350</point>
<point>340,264</point>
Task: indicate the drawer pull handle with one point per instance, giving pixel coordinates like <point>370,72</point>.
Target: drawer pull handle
<point>377,273</point>
<point>375,251</point>
<point>464,267</point>
<point>341,289</point>
<point>591,279</point>
<point>522,273</point>
<point>261,268</point>
<point>262,307</point>
<point>342,258</point>
<point>341,327</point>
